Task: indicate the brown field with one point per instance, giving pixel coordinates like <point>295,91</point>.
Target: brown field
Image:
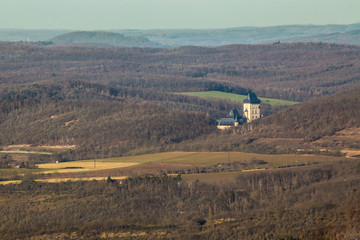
<point>121,167</point>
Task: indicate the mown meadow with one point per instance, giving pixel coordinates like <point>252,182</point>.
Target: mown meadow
<point>236,98</point>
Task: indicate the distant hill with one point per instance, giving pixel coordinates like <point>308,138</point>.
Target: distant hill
<point>102,38</point>
<point>295,72</point>
<point>244,35</point>
<point>352,37</point>
<point>199,37</point>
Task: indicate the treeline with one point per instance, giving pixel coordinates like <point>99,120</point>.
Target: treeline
<point>295,72</point>
<point>312,202</point>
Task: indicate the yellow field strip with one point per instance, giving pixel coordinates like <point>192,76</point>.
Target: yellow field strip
<point>351,153</point>
<point>57,180</point>
<point>10,182</point>
<point>81,166</point>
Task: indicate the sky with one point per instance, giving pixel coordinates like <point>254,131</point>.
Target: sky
<point>174,14</point>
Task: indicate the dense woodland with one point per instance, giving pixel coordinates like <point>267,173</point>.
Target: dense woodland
<point>296,71</point>
<point>120,101</point>
<point>311,202</point>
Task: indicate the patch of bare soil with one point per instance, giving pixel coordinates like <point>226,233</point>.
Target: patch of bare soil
<point>344,139</point>
<point>281,143</point>
<point>58,146</point>
<point>15,147</point>
<point>351,153</point>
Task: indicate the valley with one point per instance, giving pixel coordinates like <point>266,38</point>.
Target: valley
<point>106,142</point>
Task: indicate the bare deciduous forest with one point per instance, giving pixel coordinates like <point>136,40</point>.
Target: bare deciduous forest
<point>113,101</point>
<point>316,202</point>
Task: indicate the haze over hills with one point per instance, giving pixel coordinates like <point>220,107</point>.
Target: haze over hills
<point>243,35</point>
<point>351,37</point>
<point>16,35</point>
<point>343,34</point>
<point>102,38</point>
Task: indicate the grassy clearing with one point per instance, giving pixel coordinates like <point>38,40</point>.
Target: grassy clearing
<point>236,97</point>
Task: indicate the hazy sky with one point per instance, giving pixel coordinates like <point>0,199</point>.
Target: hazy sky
<point>150,14</point>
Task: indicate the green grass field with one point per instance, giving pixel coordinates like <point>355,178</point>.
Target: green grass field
<point>236,97</point>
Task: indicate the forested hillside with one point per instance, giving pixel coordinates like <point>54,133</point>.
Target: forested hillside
<point>313,119</point>
<point>329,124</point>
<point>100,121</point>
<point>285,71</point>
<point>115,101</point>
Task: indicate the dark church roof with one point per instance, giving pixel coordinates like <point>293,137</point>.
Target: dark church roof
<point>251,98</point>
<point>230,119</point>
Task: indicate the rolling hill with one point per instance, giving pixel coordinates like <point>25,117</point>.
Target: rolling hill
<point>295,72</point>
<point>200,37</point>
<point>352,37</point>
<point>119,101</point>
<point>102,38</point>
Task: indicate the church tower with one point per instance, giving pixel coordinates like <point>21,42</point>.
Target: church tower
<point>251,107</point>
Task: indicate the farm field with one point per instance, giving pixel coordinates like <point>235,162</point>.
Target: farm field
<point>184,163</point>
<point>78,166</point>
<point>189,158</point>
<point>236,97</point>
